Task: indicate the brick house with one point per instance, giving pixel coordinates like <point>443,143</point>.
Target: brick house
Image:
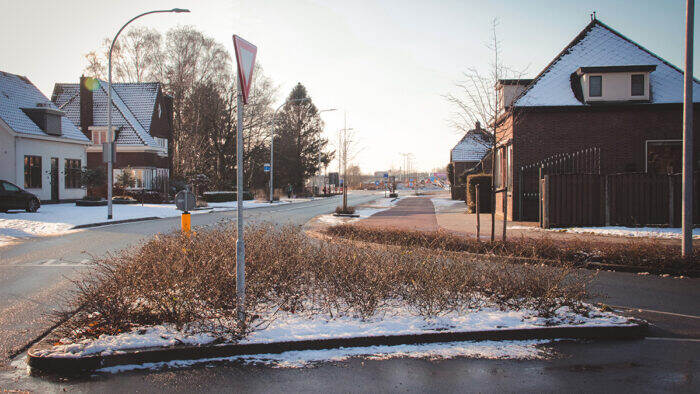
<point>142,119</point>
<point>469,151</point>
<point>602,91</point>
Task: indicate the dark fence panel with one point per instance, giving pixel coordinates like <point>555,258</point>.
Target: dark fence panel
<point>585,161</point>
<point>573,200</point>
<point>630,200</point>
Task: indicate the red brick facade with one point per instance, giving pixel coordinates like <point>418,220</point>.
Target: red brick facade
<point>620,131</point>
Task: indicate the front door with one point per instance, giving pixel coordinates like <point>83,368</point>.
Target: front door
<point>54,179</point>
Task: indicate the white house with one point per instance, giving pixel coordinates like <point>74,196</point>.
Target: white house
<point>41,150</point>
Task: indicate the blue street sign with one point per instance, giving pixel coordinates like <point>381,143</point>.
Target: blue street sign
<point>376,183</point>
<point>266,167</point>
<point>386,175</point>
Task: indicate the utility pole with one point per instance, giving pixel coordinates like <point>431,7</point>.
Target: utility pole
<point>687,204</point>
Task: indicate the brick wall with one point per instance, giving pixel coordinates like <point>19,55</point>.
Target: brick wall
<point>620,131</point>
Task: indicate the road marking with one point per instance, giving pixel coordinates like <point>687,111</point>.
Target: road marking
<point>653,311</point>
<point>674,339</point>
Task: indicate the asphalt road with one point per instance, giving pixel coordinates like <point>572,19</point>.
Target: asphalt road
<point>35,275</point>
<point>31,278</point>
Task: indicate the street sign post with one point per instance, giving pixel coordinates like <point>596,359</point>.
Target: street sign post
<point>245,60</point>
<point>386,179</point>
<point>185,201</point>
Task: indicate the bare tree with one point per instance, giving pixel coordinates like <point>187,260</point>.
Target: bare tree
<point>347,150</point>
<point>477,100</point>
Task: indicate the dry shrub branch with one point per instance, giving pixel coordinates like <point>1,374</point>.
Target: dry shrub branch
<point>635,253</point>
<point>190,282</point>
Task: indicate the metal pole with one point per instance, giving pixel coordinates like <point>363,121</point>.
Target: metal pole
<point>687,221</point>
<point>112,145</point>
<point>110,180</point>
<point>272,156</point>
<point>240,245</point>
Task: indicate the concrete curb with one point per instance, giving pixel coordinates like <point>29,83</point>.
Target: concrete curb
<point>115,222</point>
<point>78,365</point>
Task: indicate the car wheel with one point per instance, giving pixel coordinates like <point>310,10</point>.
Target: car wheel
<point>32,205</point>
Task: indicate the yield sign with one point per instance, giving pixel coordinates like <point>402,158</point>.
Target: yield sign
<point>245,58</point>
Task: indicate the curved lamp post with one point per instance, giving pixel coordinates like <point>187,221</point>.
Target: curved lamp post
<point>272,142</point>
<point>112,144</point>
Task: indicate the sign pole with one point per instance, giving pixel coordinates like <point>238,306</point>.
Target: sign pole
<point>687,204</point>
<point>245,60</point>
<point>240,243</point>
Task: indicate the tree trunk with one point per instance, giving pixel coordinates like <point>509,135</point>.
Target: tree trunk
<point>493,192</point>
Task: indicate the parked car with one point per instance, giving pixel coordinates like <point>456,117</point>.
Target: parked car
<point>14,197</point>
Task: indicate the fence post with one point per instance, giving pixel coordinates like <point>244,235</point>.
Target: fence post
<point>505,211</point>
<point>478,219</point>
<point>544,206</point>
<point>671,211</point>
<point>607,200</point>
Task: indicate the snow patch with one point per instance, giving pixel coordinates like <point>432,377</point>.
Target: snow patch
<point>649,232</point>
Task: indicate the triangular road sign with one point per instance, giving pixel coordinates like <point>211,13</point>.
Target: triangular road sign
<point>245,58</point>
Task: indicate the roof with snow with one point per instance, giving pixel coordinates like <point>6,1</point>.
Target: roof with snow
<point>472,147</point>
<point>16,93</point>
<point>598,45</point>
<point>133,106</point>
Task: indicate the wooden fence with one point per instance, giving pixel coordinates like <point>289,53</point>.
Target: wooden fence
<point>618,199</point>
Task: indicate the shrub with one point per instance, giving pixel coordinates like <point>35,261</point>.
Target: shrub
<point>484,182</point>
<point>126,177</point>
<point>190,281</point>
<point>457,192</point>
<point>347,211</point>
<point>92,179</point>
<point>634,253</point>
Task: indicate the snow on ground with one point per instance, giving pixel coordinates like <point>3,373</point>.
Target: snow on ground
<point>376,206</point>
<point>651,232</point>
<point>392,320</point>
<point>432,351</point>
<point>445,203</point>
<point>58,219</point>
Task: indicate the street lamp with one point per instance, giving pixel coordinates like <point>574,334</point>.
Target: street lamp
<point>272,141</point>
<point>112,145</point>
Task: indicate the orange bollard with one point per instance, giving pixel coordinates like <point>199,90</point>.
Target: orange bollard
<point>185,223</point>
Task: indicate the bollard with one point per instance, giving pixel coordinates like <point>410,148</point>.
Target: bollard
<point>185,223</point>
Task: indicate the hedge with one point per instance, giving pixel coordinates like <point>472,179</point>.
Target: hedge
<point>226,196</point>
<point>484,182</point>
<point>457,192</point>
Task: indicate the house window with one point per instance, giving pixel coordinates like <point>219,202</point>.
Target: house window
<point>32,172</point>
<point>509,167</point>
<point>595,86</point>
<point>163,144</point>
<point>637,84</point>
<point>99,136</point>
<point>72,173</point>
<point>498,170</point>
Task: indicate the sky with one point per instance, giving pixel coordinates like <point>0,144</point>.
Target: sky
<point>384,65</point>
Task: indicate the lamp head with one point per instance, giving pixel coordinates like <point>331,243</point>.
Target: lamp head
<point>179,10</point>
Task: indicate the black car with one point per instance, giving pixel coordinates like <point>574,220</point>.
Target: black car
<point>13,197</point>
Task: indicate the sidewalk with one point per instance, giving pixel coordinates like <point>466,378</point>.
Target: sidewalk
<point>431,213</point>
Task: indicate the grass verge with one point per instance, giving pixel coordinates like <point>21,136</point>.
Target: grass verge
<point>635,253</point>
<point>189,281</point>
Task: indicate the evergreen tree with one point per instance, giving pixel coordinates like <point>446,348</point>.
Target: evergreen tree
<point>298,141</point>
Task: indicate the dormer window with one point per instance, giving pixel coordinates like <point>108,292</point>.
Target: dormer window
<point>608,84</point>
<point>637,82</point>
<point>595,86</point>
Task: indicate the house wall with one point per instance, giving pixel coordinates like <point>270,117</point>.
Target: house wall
<point>133,159</point>
<point>620,131</point>
<point>616,86</point>
<point>47,150</point>
<point>7,155</point>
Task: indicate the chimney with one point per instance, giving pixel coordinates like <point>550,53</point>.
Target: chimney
<point>86,104</point>
<point>477,125</point>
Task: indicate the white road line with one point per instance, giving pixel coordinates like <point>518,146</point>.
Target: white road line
<point>673,339</point>
<point>653,311</point>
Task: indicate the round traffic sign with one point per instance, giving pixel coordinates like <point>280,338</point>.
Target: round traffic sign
<point>184,200</point>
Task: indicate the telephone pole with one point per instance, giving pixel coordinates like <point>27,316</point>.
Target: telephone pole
<point>687,204</point>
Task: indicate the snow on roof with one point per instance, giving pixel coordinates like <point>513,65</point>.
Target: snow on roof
<point>472,147</point>
<point>17,92</point>
<point>133,105</point>
<point>599,45</point>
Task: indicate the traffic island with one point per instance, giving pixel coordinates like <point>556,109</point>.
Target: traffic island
<point>173,298</point>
